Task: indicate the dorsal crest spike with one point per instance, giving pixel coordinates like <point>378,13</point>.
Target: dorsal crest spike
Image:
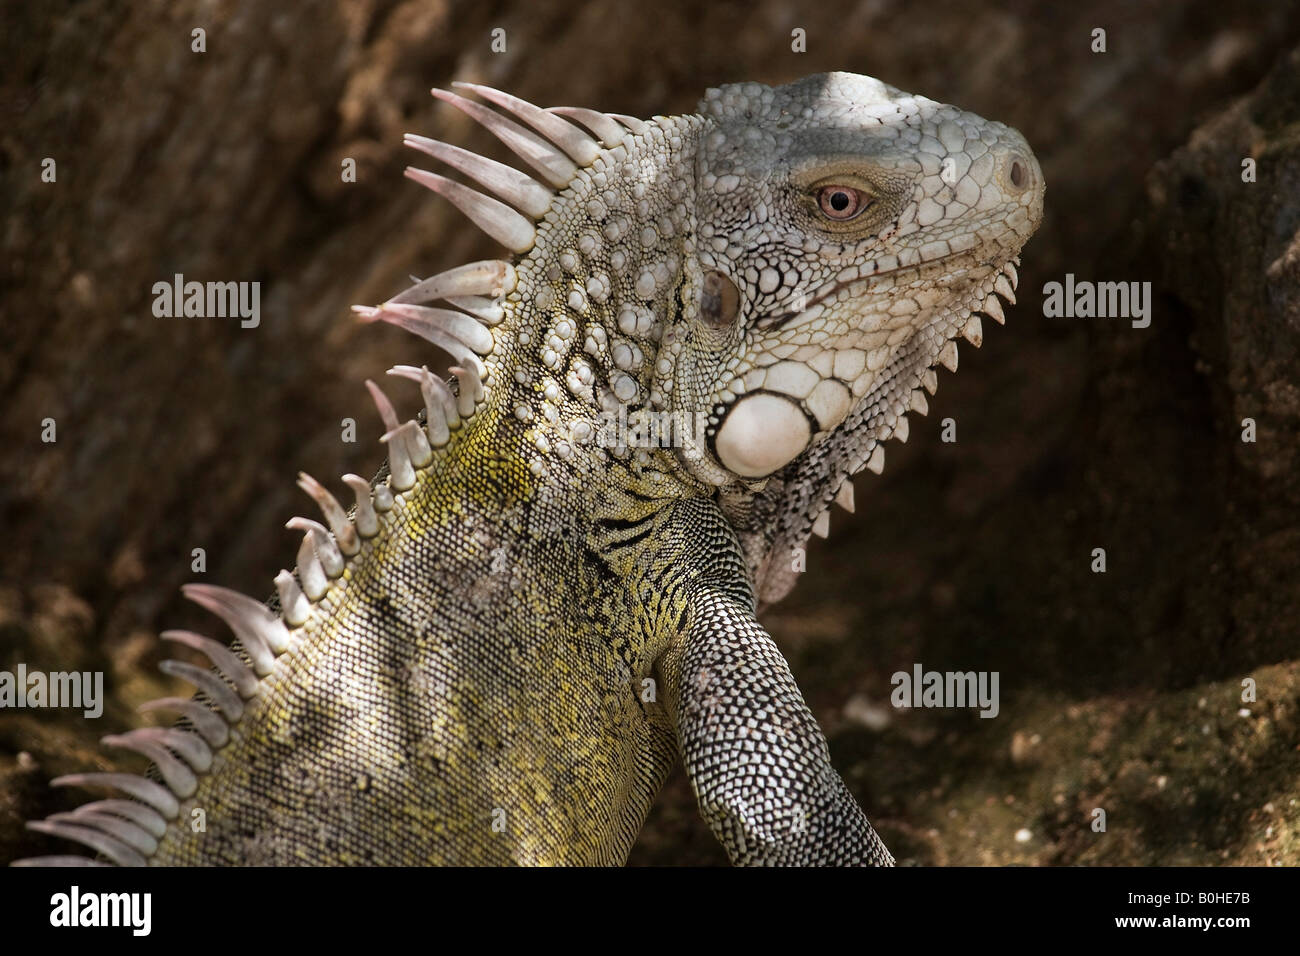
<point>520,190</point>
<point>556,168</point>
<point>217,690</point>
<point>844,497</point>
<point>508,227</point>
<point>413,438</point>
<point>345,536</point>
<point>327,551</point>
<point>580,147</point>
<point>948,356</point>
<point>186,744</point>
<point>137,838</point>
<point>222,657</point>
<point>470,384</point>
<point>387,414</point>
<point>487,277</point>
<point>179,778</point>
<point>211,726</point>
<point>59,861</point>
<point>876,463</point>
<point>364,516</point>
<point>249,618</point>
<point>611,133</point>
<point>453,332</point>
<point>633,123</point>
<point>294,606</point>
<point>401,470</point>
<point>142,816</point>
<point>992,307</point>
<point>144,790</point>
<point>1002,286</point>
<point>482,308</point>
<point>434,403</point>
<point>310,571</point>
<point>110,846</point>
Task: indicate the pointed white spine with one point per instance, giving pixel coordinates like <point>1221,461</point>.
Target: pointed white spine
<point>992,307</point>
<point>401,472</point>
<point>556,168</point>
<point>636,125</point>
<point>948,356</point>
<point>844,497</point>
<point>494,217</point>
<point>364,517</point>
<point>314,581</point>
<point>387,414</point>
<point>578,145</point>
<point>434,408</point>
<point>217,690</point>
<point>519,189</point>
<point>210,726</point>
<point>145,818</point>
<point>471,389</point>
<point>126,831</point>
<point>188,745</point>
<point>327,553</point>
<point>412,436</point>
<point>1002,286</point>
<point>876,463</point>
<point>482,308</point>
<point>610,132</point>
<point>294,606</point>
<point>247,617</point>
<point>223,658</point>
<point>345,536</point>
<point>450,410</point>
<point>110,846</point>
<point>179,778</point>
<point>454,332</point>
<point>146,791</point>
<point>489,277</point>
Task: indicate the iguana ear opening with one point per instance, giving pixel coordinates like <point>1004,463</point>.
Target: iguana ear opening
<point>719,301</point>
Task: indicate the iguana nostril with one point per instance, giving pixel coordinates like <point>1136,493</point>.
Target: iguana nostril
<point>1019,175</point>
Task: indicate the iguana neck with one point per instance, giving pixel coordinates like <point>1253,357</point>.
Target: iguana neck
<point>581,369</point>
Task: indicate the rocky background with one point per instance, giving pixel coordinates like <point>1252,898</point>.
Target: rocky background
<point>1120,691</point>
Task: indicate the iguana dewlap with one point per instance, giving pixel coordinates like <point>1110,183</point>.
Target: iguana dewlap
<point>708,325</point>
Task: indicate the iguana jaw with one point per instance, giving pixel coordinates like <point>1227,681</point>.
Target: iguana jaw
<point>795,503</point>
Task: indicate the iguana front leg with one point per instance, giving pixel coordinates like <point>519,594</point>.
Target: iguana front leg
<point>755,756</point>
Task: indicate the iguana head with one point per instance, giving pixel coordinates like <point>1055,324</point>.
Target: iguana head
<point>783,268</point>
<point>846,232</point>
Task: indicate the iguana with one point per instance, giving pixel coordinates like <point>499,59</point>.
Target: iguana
<point>708,326</point>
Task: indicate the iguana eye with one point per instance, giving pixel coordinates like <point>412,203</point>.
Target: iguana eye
<point>841,202</point>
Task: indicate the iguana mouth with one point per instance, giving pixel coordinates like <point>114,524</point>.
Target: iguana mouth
<point>771,323</point>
